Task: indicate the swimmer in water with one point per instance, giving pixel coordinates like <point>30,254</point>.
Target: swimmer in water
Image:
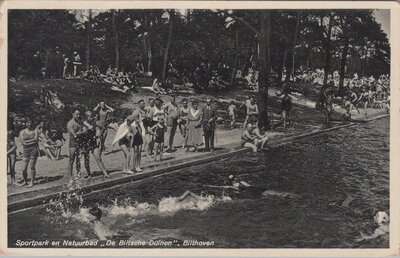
<point>236,182</point>
<point>96,212</point>
<point>103,231</point>
<point>382,220</point>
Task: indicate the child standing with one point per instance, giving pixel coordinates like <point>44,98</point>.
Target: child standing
<point>158,131</point>
<point>232,113</point>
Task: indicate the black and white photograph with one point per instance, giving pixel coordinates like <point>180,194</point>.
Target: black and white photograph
<point>198,128</point>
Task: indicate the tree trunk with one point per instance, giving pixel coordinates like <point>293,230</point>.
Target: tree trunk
<point>296,32</point>
<point>165,66</point>
<point>263,68</point>
<point>233,76</point>
<point>280,75</point>
<point>149,52</point>
<point>327,67</point>
<point>116,44</point>
<point>288,70</point>
<point>88,36</point>
<point>343,63</point>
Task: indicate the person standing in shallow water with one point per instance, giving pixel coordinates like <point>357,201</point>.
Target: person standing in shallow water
<point>29,138</point>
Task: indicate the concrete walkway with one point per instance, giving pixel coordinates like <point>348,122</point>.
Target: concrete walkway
<point>52,178</point>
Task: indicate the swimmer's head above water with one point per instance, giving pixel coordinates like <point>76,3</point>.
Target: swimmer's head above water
<point>96,212</point>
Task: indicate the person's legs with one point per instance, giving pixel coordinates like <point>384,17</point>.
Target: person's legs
<point>212,133</point>
<point>250,146</point>
<point>78,162</point>
<point>137,157</point>
<point>99,161</point>
<point>284,119</point>
<point>206,139</point>
<point>245,121</point>
<point>32,166</point>
<point>262,142</point>
<point>58,152</point>
<point>161,151</point>
<point>103,139</point>
<point>72,157</point>
<point>147,145</point>
<point>156,147</point>
<point>127,157</point>
<point>25,162</point>
<point>172,134</point>
<point>49,153</point>
<point>86,160</point>
<point>11,163</point>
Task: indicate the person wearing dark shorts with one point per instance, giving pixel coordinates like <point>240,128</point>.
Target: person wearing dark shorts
<point>137,141</point>
<point>158,130</point>
<point>90,142</point>
<point>30,151</point>
<point>74,128</point>
<point>125,143</point>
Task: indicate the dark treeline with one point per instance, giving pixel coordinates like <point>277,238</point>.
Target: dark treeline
<point>198,36</point>
<point>274,42</point>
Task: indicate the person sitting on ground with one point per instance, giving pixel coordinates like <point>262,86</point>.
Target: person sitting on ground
<point>347,107</point>
<point>247,139</point>
<point>52,146</point>
<point>157,88</point>
<point>232,113</point>
<point>261,139</point>
<point>354,100</point>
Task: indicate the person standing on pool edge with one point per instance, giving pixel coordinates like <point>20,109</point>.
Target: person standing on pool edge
<point>29,138</point>
<point>172,111</point>
<point>102,110</point>
<point>74,128</point>
<point>208,122</point>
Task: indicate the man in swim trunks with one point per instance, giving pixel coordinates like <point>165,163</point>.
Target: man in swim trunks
<point>102,111</point>
<point>74,128</point>
<point>183,120</point>
<point>251,111</point>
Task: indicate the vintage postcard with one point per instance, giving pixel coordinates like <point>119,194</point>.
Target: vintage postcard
<point>188,128</point>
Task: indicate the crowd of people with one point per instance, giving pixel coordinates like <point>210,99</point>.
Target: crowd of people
<point>142,133</point>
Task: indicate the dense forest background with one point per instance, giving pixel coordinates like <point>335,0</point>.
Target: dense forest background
<point>124,37</point>
<point>277,43</point>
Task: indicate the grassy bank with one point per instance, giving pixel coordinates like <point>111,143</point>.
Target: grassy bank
<point>24,101</point>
